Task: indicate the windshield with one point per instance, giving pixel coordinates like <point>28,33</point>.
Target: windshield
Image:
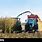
<point>30,20</point>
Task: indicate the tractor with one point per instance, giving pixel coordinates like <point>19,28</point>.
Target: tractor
<point>31,23</point>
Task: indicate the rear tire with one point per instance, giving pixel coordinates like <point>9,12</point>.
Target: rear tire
<point>35,28</point>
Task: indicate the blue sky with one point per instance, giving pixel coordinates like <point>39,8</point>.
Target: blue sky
<point>15,7</point>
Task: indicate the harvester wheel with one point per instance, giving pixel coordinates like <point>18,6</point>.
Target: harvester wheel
<point>18,29</point>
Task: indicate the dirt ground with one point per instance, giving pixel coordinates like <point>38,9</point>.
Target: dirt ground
<point>21,35</point>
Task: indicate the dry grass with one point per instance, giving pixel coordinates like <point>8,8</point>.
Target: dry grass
<point>39,25</point>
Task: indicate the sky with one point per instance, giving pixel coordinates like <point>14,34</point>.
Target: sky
<point>12,8</point>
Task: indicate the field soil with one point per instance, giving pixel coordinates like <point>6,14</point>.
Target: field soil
<point>21,35</point>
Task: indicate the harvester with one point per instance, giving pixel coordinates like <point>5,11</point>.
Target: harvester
<point>31,24</point>
<point>17,27</point>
